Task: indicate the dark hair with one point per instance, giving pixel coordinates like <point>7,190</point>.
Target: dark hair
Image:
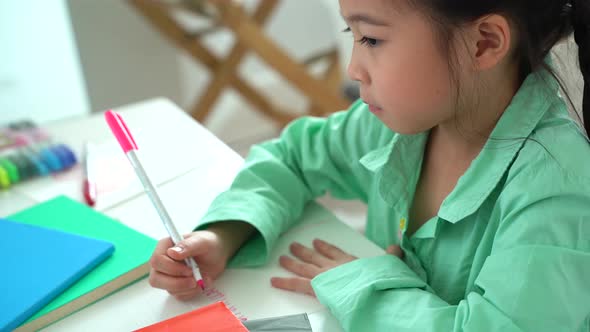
<point>539,24</point>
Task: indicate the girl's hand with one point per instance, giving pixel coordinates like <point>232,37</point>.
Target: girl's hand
<point>312,262</point>
<point>211,249</point>
<point>309,264</point>
<point>169,271</point>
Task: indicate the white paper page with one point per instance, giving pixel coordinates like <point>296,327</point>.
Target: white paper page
<point>324,321</point>
<point>11,202</point>
<point>249,290</point>
<point>186,199</point>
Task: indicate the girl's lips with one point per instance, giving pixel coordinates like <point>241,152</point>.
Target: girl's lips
<point>375,109</point>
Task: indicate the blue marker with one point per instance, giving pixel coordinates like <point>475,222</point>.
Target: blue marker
<point>50,159</point>
<point>66,156</point>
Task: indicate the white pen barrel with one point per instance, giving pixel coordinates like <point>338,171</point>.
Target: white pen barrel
<point>86,162</point>
<point>151,192</point>
<point>153,195</point>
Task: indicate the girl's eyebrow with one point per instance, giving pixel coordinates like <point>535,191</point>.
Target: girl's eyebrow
<point>356,18</point>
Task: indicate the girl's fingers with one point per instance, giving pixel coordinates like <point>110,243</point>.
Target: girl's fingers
<point>309,255</point>
<point>192,245</point>
<point>170,283</point>
<point>395,250</point>
<point>163,245</point>
<point>331,251</point>
<point>295,284</point>
<point>305,270</point>
<point>187,294</point>
<point>166,265</point>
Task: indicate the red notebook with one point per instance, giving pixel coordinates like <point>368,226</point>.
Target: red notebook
<point>215,317</point>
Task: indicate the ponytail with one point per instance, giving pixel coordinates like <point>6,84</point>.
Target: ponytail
<point>581,25</point>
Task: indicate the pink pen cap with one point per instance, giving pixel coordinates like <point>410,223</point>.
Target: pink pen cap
<point>120,130</point>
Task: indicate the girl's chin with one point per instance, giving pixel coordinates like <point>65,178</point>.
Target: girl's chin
<point>402,129</point>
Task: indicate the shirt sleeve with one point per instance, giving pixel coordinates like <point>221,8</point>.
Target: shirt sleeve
<point>312,156</point>
<point>535,279</point>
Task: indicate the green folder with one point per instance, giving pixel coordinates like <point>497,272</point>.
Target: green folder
<point>128,263</point>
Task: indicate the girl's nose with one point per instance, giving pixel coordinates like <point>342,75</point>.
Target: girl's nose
<point>356,72</point>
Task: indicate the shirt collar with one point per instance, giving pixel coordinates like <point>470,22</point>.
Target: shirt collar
<point>535,97</point>
<point>398,164</point>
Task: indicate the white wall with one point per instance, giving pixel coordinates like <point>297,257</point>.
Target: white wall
<point>565,56</point>
<point>125,59</point>
<point>40,75</point>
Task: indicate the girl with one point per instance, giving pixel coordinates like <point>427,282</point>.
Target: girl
<point>476,178</point>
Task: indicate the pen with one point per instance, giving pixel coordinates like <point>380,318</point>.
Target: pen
<point>89,186</point>
<point>125,139</point>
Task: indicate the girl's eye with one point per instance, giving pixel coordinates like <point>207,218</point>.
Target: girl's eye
<point>370,42</point>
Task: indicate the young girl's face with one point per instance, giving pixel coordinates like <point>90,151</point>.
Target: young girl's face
<point>402,73</point>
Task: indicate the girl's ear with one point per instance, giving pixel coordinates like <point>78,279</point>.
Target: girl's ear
<point>491,42</point>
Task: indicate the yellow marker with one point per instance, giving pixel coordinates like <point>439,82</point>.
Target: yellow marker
<point>4,179</point>
<point>402,224</point>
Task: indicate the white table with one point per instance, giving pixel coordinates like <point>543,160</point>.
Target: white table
<point>187,188</point>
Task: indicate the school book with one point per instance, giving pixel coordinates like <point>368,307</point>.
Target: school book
<point>40,263</point>
<point>215,317</point>
<point>127,264</point>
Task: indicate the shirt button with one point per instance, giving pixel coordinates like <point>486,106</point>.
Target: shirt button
<point>402,224</point>
<point>401,229</point>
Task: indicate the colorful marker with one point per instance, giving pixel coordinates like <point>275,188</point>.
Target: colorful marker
<point>65,155</point>
<point>11,169</point>
<point>50,159</point>
<point>39,167</point>
<point>125,139</point>
<point>89,186</point>
<point>25,168</point>
<point>4,180</point>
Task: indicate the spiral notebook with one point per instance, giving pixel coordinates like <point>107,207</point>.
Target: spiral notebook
<point>215,317</point>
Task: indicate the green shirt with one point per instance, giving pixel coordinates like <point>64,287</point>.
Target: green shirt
<point>508,251</point>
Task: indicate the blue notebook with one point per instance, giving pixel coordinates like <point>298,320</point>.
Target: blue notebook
<point>38,264</point>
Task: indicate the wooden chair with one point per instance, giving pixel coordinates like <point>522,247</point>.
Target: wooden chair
<point>323,92</point>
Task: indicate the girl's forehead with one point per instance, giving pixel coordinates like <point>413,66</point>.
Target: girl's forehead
<point>381,9</point>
